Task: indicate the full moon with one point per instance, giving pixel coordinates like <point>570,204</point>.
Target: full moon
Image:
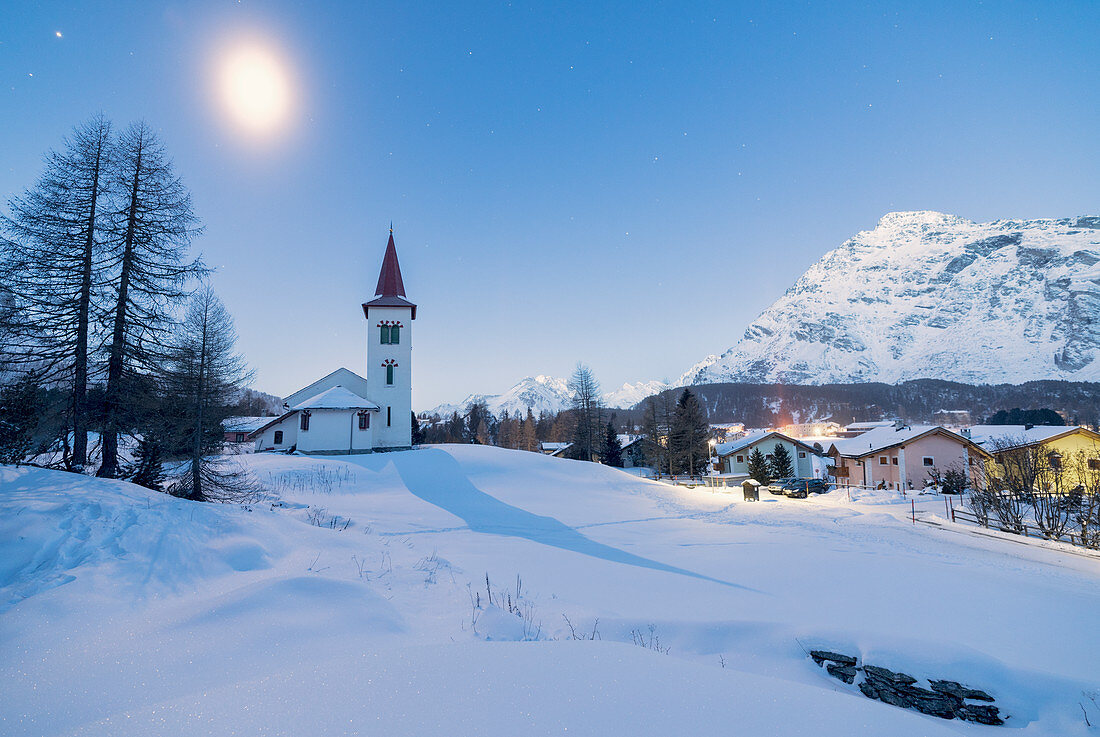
<point>255,89</point>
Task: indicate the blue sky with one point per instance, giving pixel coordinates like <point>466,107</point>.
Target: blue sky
<point>626,184</point>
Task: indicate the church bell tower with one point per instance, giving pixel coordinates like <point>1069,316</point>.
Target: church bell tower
<point>389,355</point>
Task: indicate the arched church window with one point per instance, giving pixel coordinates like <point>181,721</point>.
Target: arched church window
<point>391,366</point>
<point>389,332</point>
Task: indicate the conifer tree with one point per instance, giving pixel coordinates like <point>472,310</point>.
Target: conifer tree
<point>477,424</point>
<point>656,452</point>
<point>148,467</point>
<point>758,466</point>
<point>782,466</point>
<point>417,432</point>
<point>612,451</point>
<point>21,406</point>
<point>528,438</point>
<point>202,376</point>
<point>151,230</point>
<point>586,414</point>
<point>688,438</point>
<point>54,259</point>
<point>456,429</point>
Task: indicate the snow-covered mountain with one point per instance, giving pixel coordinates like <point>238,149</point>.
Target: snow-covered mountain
<point>628,394</point>
<point>549,394</point>
<point>929,295</point>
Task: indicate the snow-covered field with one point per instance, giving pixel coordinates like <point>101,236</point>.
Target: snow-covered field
<point>357,604</point>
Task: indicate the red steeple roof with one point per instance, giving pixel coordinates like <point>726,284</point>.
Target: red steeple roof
<point>389,279</point>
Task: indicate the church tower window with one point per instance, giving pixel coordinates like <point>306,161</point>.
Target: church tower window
<point>389,333</point>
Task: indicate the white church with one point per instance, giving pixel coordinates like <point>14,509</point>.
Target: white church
<point>345,413</point>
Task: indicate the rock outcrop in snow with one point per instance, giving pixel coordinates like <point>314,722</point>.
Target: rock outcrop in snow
<point>929,295</point>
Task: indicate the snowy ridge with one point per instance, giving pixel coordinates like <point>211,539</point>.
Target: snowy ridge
<point>549,394</point>
<point>930,295</point>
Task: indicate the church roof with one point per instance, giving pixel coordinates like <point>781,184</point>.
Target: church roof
<point>336,398</point>
<point>390,291</point>
<point>389,278</point>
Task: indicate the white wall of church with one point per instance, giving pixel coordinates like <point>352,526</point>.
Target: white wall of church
<point>394,421</point>
<point>289,429</point>
<point>334,431</point>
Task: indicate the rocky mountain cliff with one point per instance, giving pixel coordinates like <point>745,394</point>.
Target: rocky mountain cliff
<point>929,295</point>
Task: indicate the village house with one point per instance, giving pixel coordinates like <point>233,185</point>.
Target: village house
<point>237,429</point>
<point>345,413</point>
<point>1068,448</point>
<point>733,457</point>
<point>633,450</point>
<point>903,456</point>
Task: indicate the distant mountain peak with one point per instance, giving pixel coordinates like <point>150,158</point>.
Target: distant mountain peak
<point>932,295</point>
<point>549,394</point>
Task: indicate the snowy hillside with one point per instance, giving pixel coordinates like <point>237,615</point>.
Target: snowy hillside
<point>353,600</point>
<point>929,295</point>
<point>549,394</point>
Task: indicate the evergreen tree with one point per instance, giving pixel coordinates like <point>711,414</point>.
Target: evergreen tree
<point>688,445</point>
<point>53,261</point>
<point>586,414</point>
<point>21,406</point>
<point>148,467</point>
<point>528,438</point>
<point>655,451</point>
<point>477,424</point>
<point>202,375</point>
<point>612,452</point>
<point>782,465</point>
<point>151,230</point>
<point>758,466</point>
<point>417,433</point>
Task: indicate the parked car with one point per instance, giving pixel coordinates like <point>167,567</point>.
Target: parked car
<point>801,488</point>
<point>776,486</point>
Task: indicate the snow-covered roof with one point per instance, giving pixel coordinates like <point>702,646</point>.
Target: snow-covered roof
<point>991,436</point>
<point>626,440</point>
<point>244,424</point>
<point>864,426</point>
<point>724,449</point>
<point>885,437</point>
<point>336,398</point>
<point>752,438</point>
